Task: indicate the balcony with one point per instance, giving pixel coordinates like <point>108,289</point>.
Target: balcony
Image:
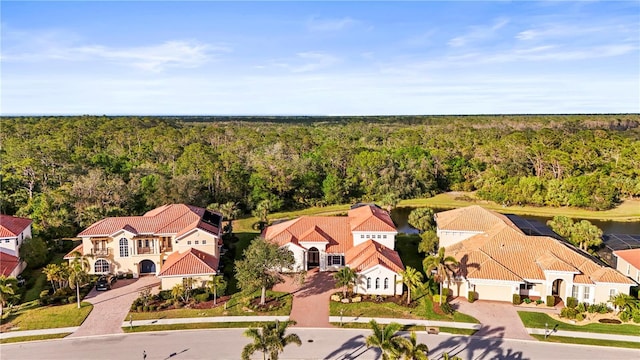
<point>145,250</point>
<point>100,252</point>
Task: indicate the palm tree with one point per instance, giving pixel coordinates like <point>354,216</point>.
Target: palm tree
<point>386,339</point>
<point>412,350</point>
<point>217,283</point>
<point>345,277</point>
<point>177,292</point>
<point>625,302</point>
<point>7,286</point>
<point>229,211</point>
<point>78,274</point>
<point>412,278</point>
<point>443,265</point>
<point>52,271</point>
<point>270,339</point>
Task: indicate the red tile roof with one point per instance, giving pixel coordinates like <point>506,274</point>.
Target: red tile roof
<point>72,255</point>
<point>190,262</point>
<point>371,253</point>
<point>632,256</point>
<point>12,226</point>
<point>503,252</point>
<point>8,263</point>
<point>174,219</point>
<point>370,218</point>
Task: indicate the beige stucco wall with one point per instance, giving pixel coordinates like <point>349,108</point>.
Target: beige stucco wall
<point>362,236</point>
<point>602,291</point>
<point>449,237</point>
<point>379,272</point>
<point>493,291</point>
<point>627,269</point>
<point>168,283</point>
<point>189,241</point>
<point>299,256</point>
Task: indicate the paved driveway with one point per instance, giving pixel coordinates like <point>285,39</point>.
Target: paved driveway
<point>310,306</point>
<point>498,319</point>
<point>111,307</point>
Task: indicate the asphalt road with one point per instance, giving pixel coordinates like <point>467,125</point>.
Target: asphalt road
<point>316,344</point>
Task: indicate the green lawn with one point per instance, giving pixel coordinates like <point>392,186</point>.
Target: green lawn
<point>30,317</point>
<point>33,338</point>
<point>235,307</point>
<point>537,320</point>
<point>597,342</point>
<point>423,311</point>
<point>40,280</point>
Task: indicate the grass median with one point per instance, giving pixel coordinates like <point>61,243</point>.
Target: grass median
<point>31,317</point>
<point>538,320</point>
<point>33,338</point>
<point>170,327</point>
<point>581,341</point>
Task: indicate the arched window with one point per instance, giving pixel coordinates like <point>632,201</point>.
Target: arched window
<point>101,266</point>
<point>386,283</point>
<point>368,283</point>
<point>124,247</point>
<point>377,283</point>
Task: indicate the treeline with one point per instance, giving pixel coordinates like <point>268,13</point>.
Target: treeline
<point>67,172</point>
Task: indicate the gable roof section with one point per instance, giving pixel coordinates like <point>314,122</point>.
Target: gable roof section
<point>12,226</point>
<point>632,256</point>
<point>8,263</point>
<point>471,218</point>
<point>70,254</point>
<point>371,253</point>
<point>178,219</point>
<point>370,218</point>
<point>190,262</point>
<point>331,229</point>
<point>523,256</point>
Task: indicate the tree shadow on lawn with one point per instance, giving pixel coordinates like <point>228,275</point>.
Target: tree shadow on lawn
<point>487,346</point>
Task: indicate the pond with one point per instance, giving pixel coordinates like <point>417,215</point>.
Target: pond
<point>400,216</point>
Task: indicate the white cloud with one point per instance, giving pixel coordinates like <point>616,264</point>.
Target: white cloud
<point>478,33</point>
<point>336,24</point>
<point>314,61</point>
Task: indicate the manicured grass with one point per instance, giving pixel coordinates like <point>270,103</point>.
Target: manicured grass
<point>537,320</point>
<point>457,331</point>
<point>144,328</point>
<point>235,307</point>
<point>597,342</point>
<point>33,338</point>
<point>423,311</point>
<point>33,293</point>
<point>628,210</point>
<point>48,317</point>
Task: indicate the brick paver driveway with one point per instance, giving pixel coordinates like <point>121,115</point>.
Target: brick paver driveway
<point>310,306</point>
<point>498,319</point>
<point>111,307</point>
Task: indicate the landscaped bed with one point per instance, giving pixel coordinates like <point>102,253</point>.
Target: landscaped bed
<point>538,320</point>
<point>31,317</point>
<point>236,305</point>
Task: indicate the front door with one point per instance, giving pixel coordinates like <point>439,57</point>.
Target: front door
<point>314,258</point>
<point>555,288</point>
<point>147,267</point>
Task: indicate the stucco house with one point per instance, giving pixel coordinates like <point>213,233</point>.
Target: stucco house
<point>628,263</point>
<point>173,242</point>
<point>13,231</point>
<point>498,259</point>
<point>363,240</point>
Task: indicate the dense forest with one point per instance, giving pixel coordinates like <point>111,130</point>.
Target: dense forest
<point>67,172</point>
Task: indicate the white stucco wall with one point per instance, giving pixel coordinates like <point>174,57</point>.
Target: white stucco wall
<point>381,273</point>
<point>627,269</point>
<point>386,238</point>
<point>603,291</point>
<point>299,255</point>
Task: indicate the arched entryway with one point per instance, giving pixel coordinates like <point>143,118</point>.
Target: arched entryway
<point>556,287</point>
<point>147,267</point>
<point>313,258</point>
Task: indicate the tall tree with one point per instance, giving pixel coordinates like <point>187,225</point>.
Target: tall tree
<point>78,274</point>
<point>345,278</point>
<point>422,219</point>
<point>270,340</point>
<point>586,235</point>
<point>262,265</point>
<point>386,339</point>
<point>561,225</point>
<point>34,252</point>
<point>443,265</point>
<point>411,349</point>
<point>217,285</point>
<point>52,271</point>
<point>412,278</point>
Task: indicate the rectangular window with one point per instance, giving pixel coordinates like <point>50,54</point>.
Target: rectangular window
<point>384,236</point>
<point>586,292</point>
<point>379,236</point>
<point>574,292</point>
<point>189,242</point>
<point>146,243</point>
<point>204,242</point>
<point>612,293</point>
<point>197,242</point>
<point>628,269</point>
<point>361,236</point>
<point>139,243</point>
<point>335,260</point>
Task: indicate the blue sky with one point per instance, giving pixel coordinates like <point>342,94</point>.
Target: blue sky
<point>320,58</point>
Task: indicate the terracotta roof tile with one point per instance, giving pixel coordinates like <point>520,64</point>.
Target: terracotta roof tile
<point>70,254</point>
<point>333,229</point>
<point>177,219</point>
<point>8,263</point>
<point>370,218</point>
<point>11,226</point>
<point>632,256</point>
<point>523,256</point>
<point>371,253</point>
<point>190,262</point>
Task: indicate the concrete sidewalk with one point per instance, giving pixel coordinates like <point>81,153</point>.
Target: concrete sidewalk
<point>212,319</point>
<point>13,334</point>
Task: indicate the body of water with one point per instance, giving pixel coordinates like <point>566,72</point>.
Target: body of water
<point>400,216</point>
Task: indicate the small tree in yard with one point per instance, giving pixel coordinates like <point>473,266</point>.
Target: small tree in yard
<point>177,292</point>
<point>260,269</point>
<point>443,265</point>
<point>78,274</point>
<point>217,286</point>
<point>345,278</point>
<point>7,290</point>
<point>412,278</point>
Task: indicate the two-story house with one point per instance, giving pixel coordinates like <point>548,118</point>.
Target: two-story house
<point>498,259</point>
<point>172,242</point>
<point>13,232</point>
<point>364,240</point>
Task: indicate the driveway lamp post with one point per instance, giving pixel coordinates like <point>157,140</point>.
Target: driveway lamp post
<point>130,322</point>
<point>546,332</point>
<point>341,312</point>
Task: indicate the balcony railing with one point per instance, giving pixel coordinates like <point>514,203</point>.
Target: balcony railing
<point>145,250</point>
<point>100,252</point>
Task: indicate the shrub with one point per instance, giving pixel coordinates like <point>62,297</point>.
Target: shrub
<point>201,297</point>
<point>471,296</point>
<point>63,300</point>
<point>551,300</point>
<point>129,276</point>
<point>72,299</point>
<point>165,295</point>
<point>169,302</point>
<point>44,293</point>
<point>579,317</point>
<point>582,307</point>
<point>152,308</point>
<point>539,301</point>
<point>145,308</point>
<point>569,313</point>
<point>134,307</point>
<point>446,308</point>
<point>625,316</point>
<point>436,298</point>
<point>516,299</point>
<point>572,302</point>
<point>445,292</point>
<point>139,308</point>
<point>527,301</point>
